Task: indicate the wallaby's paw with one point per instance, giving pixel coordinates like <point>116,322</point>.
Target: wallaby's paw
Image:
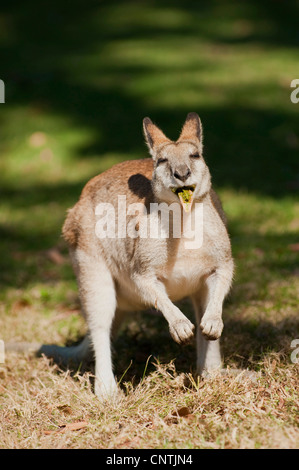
<point>211,327</point>
<point>182,331</point>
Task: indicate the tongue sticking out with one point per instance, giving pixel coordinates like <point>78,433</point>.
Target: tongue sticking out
<point>186,198</point>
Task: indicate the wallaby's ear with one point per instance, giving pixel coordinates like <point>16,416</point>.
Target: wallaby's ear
<point>153,135</point>
<point>192,129</point>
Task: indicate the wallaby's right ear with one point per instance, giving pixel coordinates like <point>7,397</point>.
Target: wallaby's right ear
<point>192,130</point>
<point>154,137</point>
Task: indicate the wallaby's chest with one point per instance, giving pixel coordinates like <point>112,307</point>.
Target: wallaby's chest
<point>190,259</point>
<point>184,273</point>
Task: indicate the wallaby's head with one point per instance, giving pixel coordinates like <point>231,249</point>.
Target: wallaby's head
<point>180,172</point>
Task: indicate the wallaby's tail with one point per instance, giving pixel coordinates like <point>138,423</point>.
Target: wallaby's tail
<point>64,356</point>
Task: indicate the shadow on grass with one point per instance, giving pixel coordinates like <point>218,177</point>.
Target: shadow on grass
<point>244,345</point>
<point>46,65</point>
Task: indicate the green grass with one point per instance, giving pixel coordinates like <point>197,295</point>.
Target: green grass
<point>78,83</point>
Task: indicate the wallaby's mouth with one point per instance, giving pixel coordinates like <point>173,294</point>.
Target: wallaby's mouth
<point>185,195</point>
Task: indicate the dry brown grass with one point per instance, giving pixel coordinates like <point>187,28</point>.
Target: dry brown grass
<point>162,406</point>
<point>43,407</point>
<point>161,60</point>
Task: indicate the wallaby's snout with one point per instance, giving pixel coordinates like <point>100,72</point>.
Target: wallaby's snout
<point>182,173</point>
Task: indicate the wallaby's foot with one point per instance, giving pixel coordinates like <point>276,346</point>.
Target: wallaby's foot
<point>182,331</point>
<point>211,327</point>
<point>106,392</point>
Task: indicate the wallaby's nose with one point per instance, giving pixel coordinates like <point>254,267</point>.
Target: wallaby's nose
<point>182,173</point>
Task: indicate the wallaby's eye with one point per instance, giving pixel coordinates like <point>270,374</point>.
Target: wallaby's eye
<point>195,155</point>
<point>161,160</point>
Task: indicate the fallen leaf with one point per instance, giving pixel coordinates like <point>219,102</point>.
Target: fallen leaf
<point>65,408</point>
<point>184,411</point>
<point>55,256</point>
<point>20,304</point>
<point>294,247</point>
<point>75,426</point>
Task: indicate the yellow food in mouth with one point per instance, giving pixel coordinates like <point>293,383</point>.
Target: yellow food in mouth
<point>185,195</point>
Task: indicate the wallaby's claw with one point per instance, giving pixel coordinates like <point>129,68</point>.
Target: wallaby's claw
<point>211,327</point>
<point>182,331</point>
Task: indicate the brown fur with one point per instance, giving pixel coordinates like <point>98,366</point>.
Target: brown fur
<point>133,178</point>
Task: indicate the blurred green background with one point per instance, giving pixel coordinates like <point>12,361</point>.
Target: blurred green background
<point>81,75</point>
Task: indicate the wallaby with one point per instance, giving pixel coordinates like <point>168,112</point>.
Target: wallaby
<point>120,274</point>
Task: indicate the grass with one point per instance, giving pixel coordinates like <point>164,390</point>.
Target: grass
<point>77,88</point>
<point>50,409</point>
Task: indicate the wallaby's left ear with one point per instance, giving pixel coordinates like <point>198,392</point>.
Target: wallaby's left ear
<point>153,135</point>
<point>192,129</point>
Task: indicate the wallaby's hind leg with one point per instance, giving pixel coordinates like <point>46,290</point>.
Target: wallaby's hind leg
<point>98,298</point>
<point>208,355</point>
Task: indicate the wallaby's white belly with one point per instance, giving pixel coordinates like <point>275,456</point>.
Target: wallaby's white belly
<point>185,276</point>
<point>181,280</point>
<point>186,271</point>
